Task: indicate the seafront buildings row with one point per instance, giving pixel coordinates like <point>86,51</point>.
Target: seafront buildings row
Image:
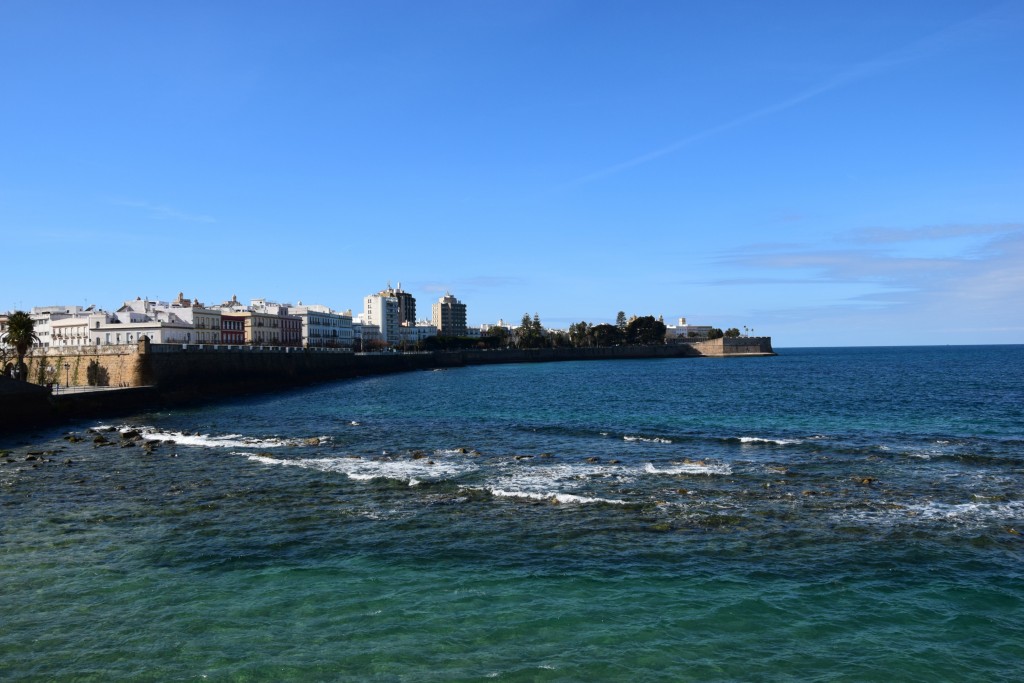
<point>388,320</point>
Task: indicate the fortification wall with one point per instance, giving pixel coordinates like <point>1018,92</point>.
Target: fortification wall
<point>735,346</point>
<point>167,375</point>
<point>120,365</point>
<point>176,366</point>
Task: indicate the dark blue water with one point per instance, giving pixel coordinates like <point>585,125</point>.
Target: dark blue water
<point>827,514</point>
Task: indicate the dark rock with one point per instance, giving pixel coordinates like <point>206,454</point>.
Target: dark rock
<point>99,438</point>
<point>69,462</point>
<point>594,459</point>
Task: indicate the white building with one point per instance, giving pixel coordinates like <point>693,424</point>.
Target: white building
<point>413,334</point>
<point>206,322</point>
<point>382,311</point>
<point>364,333</point>
<point>324,328</point>
<point>127,325</point>
<point>44,316</point>
<point>684,332</point>
<point>70,332</point>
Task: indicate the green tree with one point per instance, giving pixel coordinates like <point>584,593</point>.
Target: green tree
<point>497,336</point>
<point>645,330</point>
<point>620,321</point>
<point>715,333</point>
<point>579,334</point>
<point>606,335</point>
<point>732,333</point>
<point>528,334</point>
<point>21,335</point>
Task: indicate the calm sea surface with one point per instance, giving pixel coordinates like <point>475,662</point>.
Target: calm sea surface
<point>825,515</point>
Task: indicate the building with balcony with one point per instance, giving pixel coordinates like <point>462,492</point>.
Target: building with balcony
<point>381,310</point>
<point>322,327</point>
<point>449,316</point>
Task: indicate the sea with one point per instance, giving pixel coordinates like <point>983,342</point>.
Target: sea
<point>832,514</point>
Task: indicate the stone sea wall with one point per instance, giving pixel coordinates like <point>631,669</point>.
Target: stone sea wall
<point>120,365</point>
<point>735,346</point>
<point>163,375</point>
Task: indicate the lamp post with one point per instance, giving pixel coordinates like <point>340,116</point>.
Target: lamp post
<point>67,370</point>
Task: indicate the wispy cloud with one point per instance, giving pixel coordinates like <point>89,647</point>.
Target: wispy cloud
<point>164,212</point>
<point>988,274</point>
<point>976,28</point>
<point>928,232</point>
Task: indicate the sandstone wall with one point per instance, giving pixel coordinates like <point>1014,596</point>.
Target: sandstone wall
<point>121,363</point>
<point>735,346</point>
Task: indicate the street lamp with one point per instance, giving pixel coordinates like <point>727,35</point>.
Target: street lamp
<point>67,382</point>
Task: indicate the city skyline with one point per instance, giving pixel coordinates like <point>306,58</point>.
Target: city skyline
<point>828,175</point>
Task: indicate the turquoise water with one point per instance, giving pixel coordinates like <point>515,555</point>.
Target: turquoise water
<point>827,514</point>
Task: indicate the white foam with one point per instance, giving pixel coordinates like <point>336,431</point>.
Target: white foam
<point>553,496</point>
<point>269,461</point>
<point>415,472</point>
<point>778,442</point>
<point>220,441</point>
<point>691,468</point>
<point>953,514</point>
<point>571,481</point>
<point>965,511</point>
<point>647,439</point>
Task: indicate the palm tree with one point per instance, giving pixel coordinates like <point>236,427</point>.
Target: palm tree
<point>21,335</point>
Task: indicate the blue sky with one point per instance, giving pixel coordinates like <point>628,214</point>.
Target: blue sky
<point>827,173</point>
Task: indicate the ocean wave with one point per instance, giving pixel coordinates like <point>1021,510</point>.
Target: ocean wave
<point>544,480</point>
<point>553,496</point>
<point>777,442</point>
<point>690,468</point>
<point>219,441</point>
<point>954,514</point>
<point>413,472</point>
<point>647,439</point>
